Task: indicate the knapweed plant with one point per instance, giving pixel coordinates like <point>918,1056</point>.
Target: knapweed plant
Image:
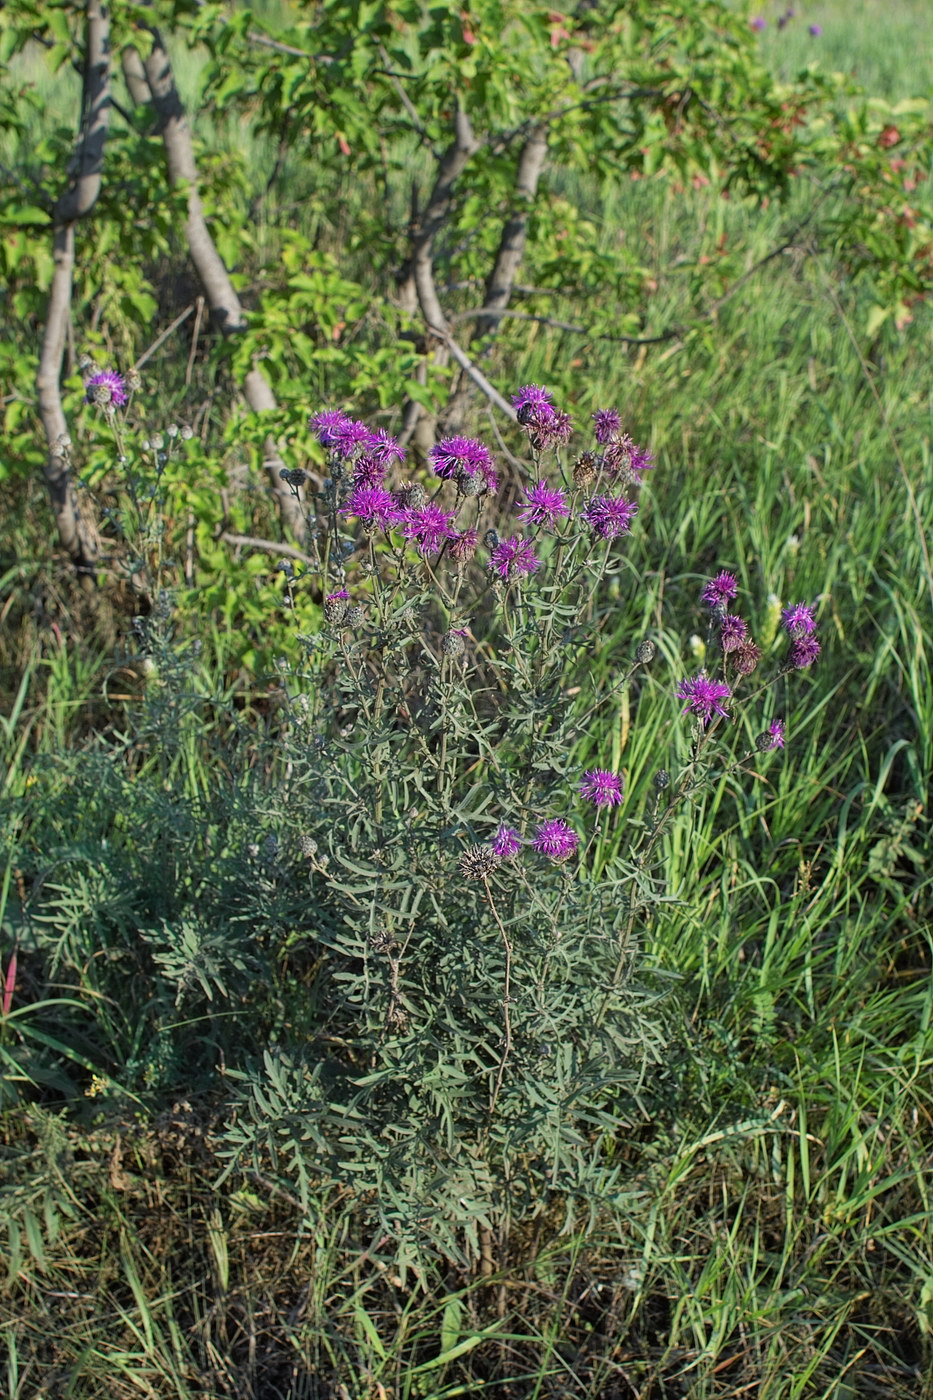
<point>483,1024</point>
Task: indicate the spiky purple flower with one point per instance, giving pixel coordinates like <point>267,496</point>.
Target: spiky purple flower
<point>325,424</point>
<point>704,697</point>
<point>347,437</point>
<point>798,621</point>
<point>804,652</point>
<point>549,427</point>
<point>720,591</point>
<point>732,632</point>
<point>428,527</point>
<point>543,506</point>
<point>776,734</point>
<point>609,516</point>
<point>374,506</point>
<point>384,449</point>
<point>506,842</point>
<point>530,400</point>
<point>601,787</point>
<point>514,556</point>
<point>556,840</point>
<point>625,458</point>
<point>368,471</point>
<point>106,379</point>
<point>607,423</point>
<point>455,457</point>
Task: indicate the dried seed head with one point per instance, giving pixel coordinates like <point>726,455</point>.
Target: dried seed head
<point>478,862</point>
<point>745,658</point>
<point>293,476</point>
<point>383,940</point>
<point>662,779</point>
<point>307,846</point>
<point>645,651</point>
<point>452,643</point>
<point>187,432</point>
<point>355,616</point>
<point>134,382</point>
<point>172,430</point>
<point>585,469</point>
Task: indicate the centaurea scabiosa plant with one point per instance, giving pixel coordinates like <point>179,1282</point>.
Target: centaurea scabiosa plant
<point>487,875</point>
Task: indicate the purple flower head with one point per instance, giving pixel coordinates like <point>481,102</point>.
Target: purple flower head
<point>531,402</point>
<point>462,546</point>
<point>758,22</point>
<point>776,734</point>
<point>732,632</point>
<point>368,471</point>
<point>513,557</point>
<point>720,591</point>
<point>325,424</point>
<point>609,516</point>
<point>506,842</point>
<point>550,427</point>
<point>334,597</point>
<point>602,788</point>
<point>106,379</point>
<point>704,697</point>
<point>815,30</point>
<point>804,652</point>
<point>463,456</point>
<point>607,423</point>
<point>556,840</point>
<point>543,506</point>
<point>383,448</point>
<point>625,458</point>
<point>347,437</point>
<point>798,621</point>
<point>428,527</point>
<point>374,506</point>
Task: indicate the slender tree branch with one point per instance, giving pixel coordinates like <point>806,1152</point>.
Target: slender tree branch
<point>85,175</point>
<point>226,310</point>
<point>271,546</point>
<point>512,242</point>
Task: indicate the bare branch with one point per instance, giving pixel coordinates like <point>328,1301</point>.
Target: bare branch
<point>78,536</point>
<point>512,242</point>
<point>226,310</point>
<point>479,379</point>
<point>271,546</point>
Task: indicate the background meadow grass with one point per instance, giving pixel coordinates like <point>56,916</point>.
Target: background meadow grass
<point>780,1232</point>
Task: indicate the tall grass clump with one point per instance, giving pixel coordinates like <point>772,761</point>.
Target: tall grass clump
<point>409,931</point>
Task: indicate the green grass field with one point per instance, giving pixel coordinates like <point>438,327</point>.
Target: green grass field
<point>778,1240</point>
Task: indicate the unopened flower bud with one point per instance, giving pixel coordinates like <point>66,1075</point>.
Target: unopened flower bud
<point>645,651</point>
<point>187,432</point>
<point>491,539</point>
<point>172,430</point>
<point>134,380</point>
<point>355,616</point>
<point>413,496</point>
<point>307,846</point>
<point>662,779</point>
<point>452,643</point>
<point>469,485</point>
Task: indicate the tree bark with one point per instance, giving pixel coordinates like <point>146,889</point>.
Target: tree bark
<point>226,310</point>
<point>79,536</point>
